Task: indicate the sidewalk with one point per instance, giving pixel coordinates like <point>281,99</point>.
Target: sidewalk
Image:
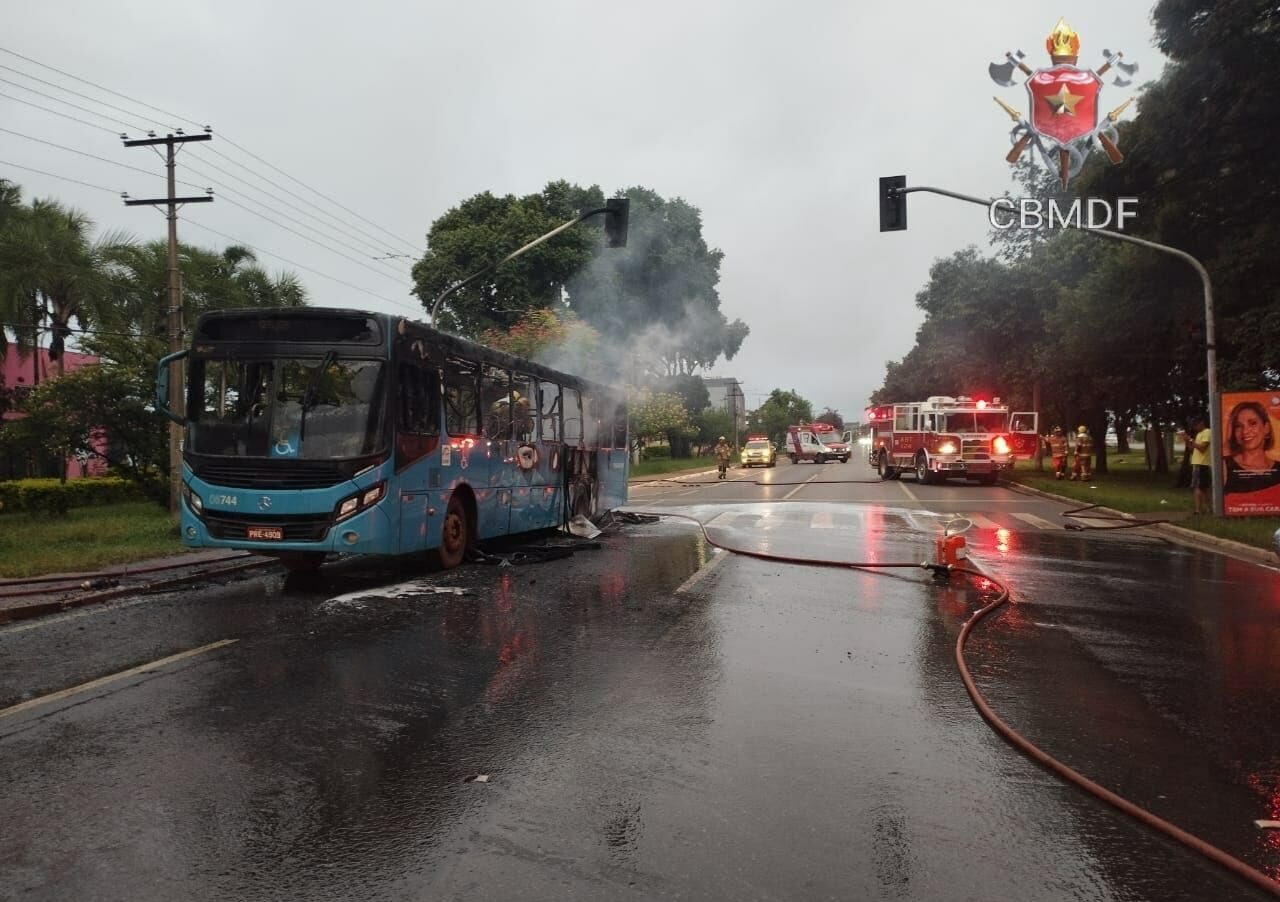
<point>37,596</point>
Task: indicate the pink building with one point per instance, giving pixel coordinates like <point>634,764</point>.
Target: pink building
<point>24,370</point>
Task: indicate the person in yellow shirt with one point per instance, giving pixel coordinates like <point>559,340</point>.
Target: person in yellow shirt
<point>1201,440</point>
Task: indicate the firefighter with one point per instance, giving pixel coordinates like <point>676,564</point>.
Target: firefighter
<point>1084,455</point>
<point>1057,445</point>
<point>723,455</point>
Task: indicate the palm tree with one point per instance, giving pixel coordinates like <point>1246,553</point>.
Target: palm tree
<point>49,260</point>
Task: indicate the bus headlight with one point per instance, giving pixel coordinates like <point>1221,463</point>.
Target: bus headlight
<point>193,500</point>
<point>359,501</point>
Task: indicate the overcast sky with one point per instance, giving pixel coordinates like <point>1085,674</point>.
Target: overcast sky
<point>776,120</point>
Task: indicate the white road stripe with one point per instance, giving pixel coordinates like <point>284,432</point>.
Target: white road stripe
<point>980,521</point>
<point>801,485</point>
<point>702,573</point>
<point>1035,521</point>
<point>910,494</point>
<point>111,678</point>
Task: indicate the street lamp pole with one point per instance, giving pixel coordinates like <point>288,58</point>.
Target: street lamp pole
<point>1211,351</point>
<point>616,214</point>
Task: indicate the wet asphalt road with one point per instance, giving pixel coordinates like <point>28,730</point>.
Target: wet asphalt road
<point>755,731</point>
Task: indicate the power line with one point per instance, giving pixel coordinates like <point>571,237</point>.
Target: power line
<point>380,244</point>
<point>190,121</point>
<point>81,152</point>
<point>268,253</point>
<point>99,87</point>
<point>304,237</point>
<point>351,235</point>
<point>57,113</point>
<point>132,125</point>
<point>54,175</point>
<point>245,150</point>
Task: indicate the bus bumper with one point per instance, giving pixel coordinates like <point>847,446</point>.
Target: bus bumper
<point>368,532</point>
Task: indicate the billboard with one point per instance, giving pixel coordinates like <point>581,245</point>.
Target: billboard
<point>1251,453</point>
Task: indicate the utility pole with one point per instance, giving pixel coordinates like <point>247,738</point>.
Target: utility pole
<point>172,201</point>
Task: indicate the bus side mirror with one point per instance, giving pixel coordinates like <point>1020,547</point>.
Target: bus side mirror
<point>162,386</point>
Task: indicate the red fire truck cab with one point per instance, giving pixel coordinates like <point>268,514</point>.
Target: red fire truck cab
<point>945,437</point>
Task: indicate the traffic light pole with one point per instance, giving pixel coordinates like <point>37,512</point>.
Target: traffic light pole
<point>894,192</point>
<point>616,211</point>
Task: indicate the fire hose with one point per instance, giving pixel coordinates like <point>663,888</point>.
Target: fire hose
<point>1010,735</point>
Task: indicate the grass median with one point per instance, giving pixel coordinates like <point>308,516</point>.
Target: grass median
<point>666,466</point>
<point>1130,487</point>
<point>86,539</point>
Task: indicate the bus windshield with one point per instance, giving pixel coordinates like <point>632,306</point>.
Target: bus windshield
<point>317,409</point>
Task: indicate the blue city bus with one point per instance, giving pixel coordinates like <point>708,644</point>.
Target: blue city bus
<point>314,431</point>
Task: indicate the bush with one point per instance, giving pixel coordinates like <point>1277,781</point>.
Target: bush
<point>49,496</point>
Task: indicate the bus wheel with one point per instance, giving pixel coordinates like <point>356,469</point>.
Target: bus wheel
<point>454,536</point>
<point>303,561</point>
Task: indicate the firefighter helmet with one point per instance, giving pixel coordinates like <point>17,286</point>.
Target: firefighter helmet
<point>722,438</point>
<point>1081,431</point>
<point>1057,430</point>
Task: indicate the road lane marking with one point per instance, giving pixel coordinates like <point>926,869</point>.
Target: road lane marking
<point>111,678</point>
<point>800,486</point>
<point>910,494</point>
<point>1035,521</point>
<point>979,521</point>
<point>701,573</point>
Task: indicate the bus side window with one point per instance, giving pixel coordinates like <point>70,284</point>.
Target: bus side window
<point>418,412</point>
<point>460,399</point>
<point>418,400</point>
<point>524,397</point>
<point>620,426</point>
<point>590,422</point>
<point>549,408</point>
<point>495,401</point>
<point>572,417</point>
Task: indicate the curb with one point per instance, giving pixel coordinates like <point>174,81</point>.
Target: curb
<point>668,476</point>
<point>1180,534</point>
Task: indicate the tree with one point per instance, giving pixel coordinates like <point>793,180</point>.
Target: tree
<point>831,418</point>
<point>656,415</point>
<point>52,272</point>
<point>98,411</point>
<point>659,292</point>
<point>780,410</point>
<point>482,230</point>
<point>710,425</point>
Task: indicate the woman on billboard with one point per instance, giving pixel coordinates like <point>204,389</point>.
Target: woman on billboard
<point>1248,467</point>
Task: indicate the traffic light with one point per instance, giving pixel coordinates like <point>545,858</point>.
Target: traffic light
<point>893,204</point>
<point>615,221</point>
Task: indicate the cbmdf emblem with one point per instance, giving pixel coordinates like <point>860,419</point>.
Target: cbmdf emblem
<point>1064,122</point>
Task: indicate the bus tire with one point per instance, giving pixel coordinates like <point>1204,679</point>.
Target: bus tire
<point>923,475</point>
<point>455,535</point>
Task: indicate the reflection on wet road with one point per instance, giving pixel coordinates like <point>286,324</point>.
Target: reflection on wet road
<point>768,731</point>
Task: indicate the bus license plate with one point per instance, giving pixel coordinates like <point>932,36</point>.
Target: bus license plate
<point>275,533</point>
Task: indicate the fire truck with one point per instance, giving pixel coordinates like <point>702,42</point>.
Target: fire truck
<point>818,442</point>
<point>944,437</point>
